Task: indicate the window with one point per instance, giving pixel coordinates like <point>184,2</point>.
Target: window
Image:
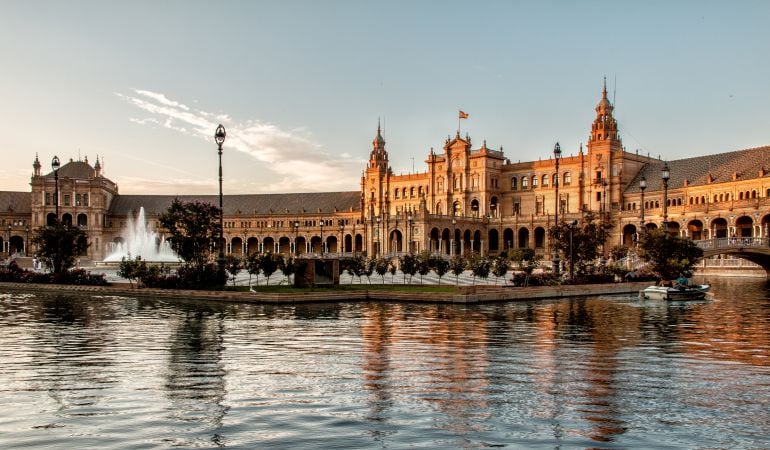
<point>545,181</point>
<point>77,199</point>
<point>515,208</point>
<point>534,181</point>
<point>85,199</point>
<point>66,200</point>
<point>514,183</point>
<point>47,198</point>
<point>475,182</point>
<point>567,178</point>
<point>525,182</point>
<point>394,192</point>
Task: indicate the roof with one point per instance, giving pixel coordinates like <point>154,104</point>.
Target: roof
<point>16,202</point>
<point>296,203</point>
<point>746,164</point>
<point>74,169</point>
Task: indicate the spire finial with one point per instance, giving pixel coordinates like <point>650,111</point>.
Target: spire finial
<point>378,126</point>
<point>604,89</point>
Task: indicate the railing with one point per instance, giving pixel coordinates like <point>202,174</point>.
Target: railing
<point>733,242</point>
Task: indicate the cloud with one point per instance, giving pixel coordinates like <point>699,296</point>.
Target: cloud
<point>291,159</point>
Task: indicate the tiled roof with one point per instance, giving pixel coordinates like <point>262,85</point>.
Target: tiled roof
<point>746,164</point>
<point>246,203</point>
<point>74,169</point>
<point>18,202</point>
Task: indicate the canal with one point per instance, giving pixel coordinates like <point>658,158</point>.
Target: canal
<point>602,372</point>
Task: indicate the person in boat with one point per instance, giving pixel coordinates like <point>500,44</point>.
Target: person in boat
<point>682,282</point>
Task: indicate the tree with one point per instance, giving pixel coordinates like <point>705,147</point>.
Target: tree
<point>234,265</point>
<point>58,246</point>
<point>424,264</point>
<point>369,264</point>
<point>587,241</point>
<point>128,269</point>
<point>457,266</point>
<point>667,254</point>
<point>268,264</point>
<point>441,267</point>
<point>253,262</point>
<point>381,266</point>
<point>527,260</point>
<point>392,269</point>
<point>408,265</point>
<point>479,267</point>
<point>287,266</point>
<point>500,267</point>
<point>193,229</point>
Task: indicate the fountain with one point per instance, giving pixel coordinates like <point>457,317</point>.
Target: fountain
<point>141,242</point>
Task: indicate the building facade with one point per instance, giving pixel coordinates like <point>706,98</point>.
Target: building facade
<point>468,200</point>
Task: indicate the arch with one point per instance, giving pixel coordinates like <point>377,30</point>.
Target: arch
<point>284,245</point>
<point>268,245</point>
<point>695,229</point>
<point>523,237</point>
<point>457,208</point>
<point>493,204</point>
<point>252,246</point>
<point>673,227</point>
<point>507,238</point>
<point>567,179</point>
<point>534,181</point>
<point>493,237</point>
<point>50,219</point>
<point>458,241</point>
<point>347,245</point>
<point>765,224</point>
<point>539,237</point>
<point>554,179</point>
<point>514,184</point>
<point>439,210</point>
<point>753,194</point>
<point>236,246</point>
<point>82,220</point>
<point>649,226</point>
<point>467,244</point>
<point>395,241</point>
<point>524,182</point>
<point>359,243</point>
<point>629,235</point>
<point>744,226</point>
<point>445,240</point>
<point>475,207</point>
<point>434,238</point>
<point>315,245</point>
<point>411,192</point>
<point>15,245</point>
<point>300,245</point>
<point>544,182</point>
<point>66,219</point>
<point>719,227</point>
<point>740,196</point>
<point>332,244</point>
<point>476,244</point>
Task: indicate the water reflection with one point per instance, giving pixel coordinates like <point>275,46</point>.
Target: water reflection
<point>576,373</point>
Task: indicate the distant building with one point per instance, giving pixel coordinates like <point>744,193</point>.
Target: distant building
<point>467,200</point>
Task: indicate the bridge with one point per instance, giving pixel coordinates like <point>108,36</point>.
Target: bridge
<point>754,249</point>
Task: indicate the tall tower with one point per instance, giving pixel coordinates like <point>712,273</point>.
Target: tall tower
<point>374,184</point>
<point>605,163</point>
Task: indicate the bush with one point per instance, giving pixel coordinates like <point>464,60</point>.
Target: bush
<point>14,274</point>
<point>207,276</point>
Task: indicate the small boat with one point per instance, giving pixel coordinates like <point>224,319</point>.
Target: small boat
<point>695,292</point>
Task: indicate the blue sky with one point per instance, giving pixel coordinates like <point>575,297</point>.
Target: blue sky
<point>300,85</point>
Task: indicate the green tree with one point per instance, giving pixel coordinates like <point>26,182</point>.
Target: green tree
<point>441,267</point>
<point>424,264</point>
<point>382,266</point>
<point>457,266</point>
<point>268,264</point>
<point>408,265</point>
<point>193,229</point>
<point>234,265</point>
<point>253,266</point>
<point>58,246</point>
<point>587,241</point>
<point>368,264</point>
<point>526,260</point>
<point>479,266</point>
<point>667,254</point>
<point>500,267</point>
<point>288,267</point>
<point>128,269</point>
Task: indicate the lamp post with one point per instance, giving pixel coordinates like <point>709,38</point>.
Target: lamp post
<point>322,237</point>
<point>296,237</point>
<point>341,244</point>
<point>377,248</point>
<point>554,248</point>
<point>55,164</point>
<point>572,226</point>
<point>26,243</point>
<point>219,138</point>
<point>642,187</point>
<point>410,234</point>
<point>454,235</point>
<point>604,196</point>
<point>665,174</point>
<point>8,241</point>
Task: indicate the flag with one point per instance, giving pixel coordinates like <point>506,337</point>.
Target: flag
<point>463,114</point>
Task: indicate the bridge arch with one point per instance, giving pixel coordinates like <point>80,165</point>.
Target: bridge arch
<point>744,226</point>
<point>719,227</point>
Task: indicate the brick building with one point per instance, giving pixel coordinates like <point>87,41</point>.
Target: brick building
<point>468,199</point>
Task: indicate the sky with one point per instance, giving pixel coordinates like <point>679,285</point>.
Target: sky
<point>300,85</point>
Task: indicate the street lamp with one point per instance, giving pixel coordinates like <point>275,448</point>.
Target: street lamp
<point>409,234</point>
<point>665,174</point>
<point>377,249</point>
<point>454,235</point>
<point>296,237</point>
<point>604,196</point>
<point>322,237</point>
<point>55,164</point>
<point>26,243</point>
<point>341,244</point>
<point>554,248</point>
<point>642,187</point>
<point>8,241</point>
<point>219,138</point>
<point>571,250</point>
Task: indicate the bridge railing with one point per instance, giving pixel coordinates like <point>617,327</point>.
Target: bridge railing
<point>734,242</point>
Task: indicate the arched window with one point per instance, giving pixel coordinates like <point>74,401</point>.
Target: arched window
<point>545,181</point>
<point>419,191</point>
<point>525,182</point>
<point>567,178</point>
<point>514,184</point>
<point>411,191</point>
<point>534,181</point>
<point>740,196</point>
<point>395,193</point>
<point>403,192</point>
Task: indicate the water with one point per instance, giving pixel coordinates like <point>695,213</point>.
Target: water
<point>141,241</point>
<point>604,372</point>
